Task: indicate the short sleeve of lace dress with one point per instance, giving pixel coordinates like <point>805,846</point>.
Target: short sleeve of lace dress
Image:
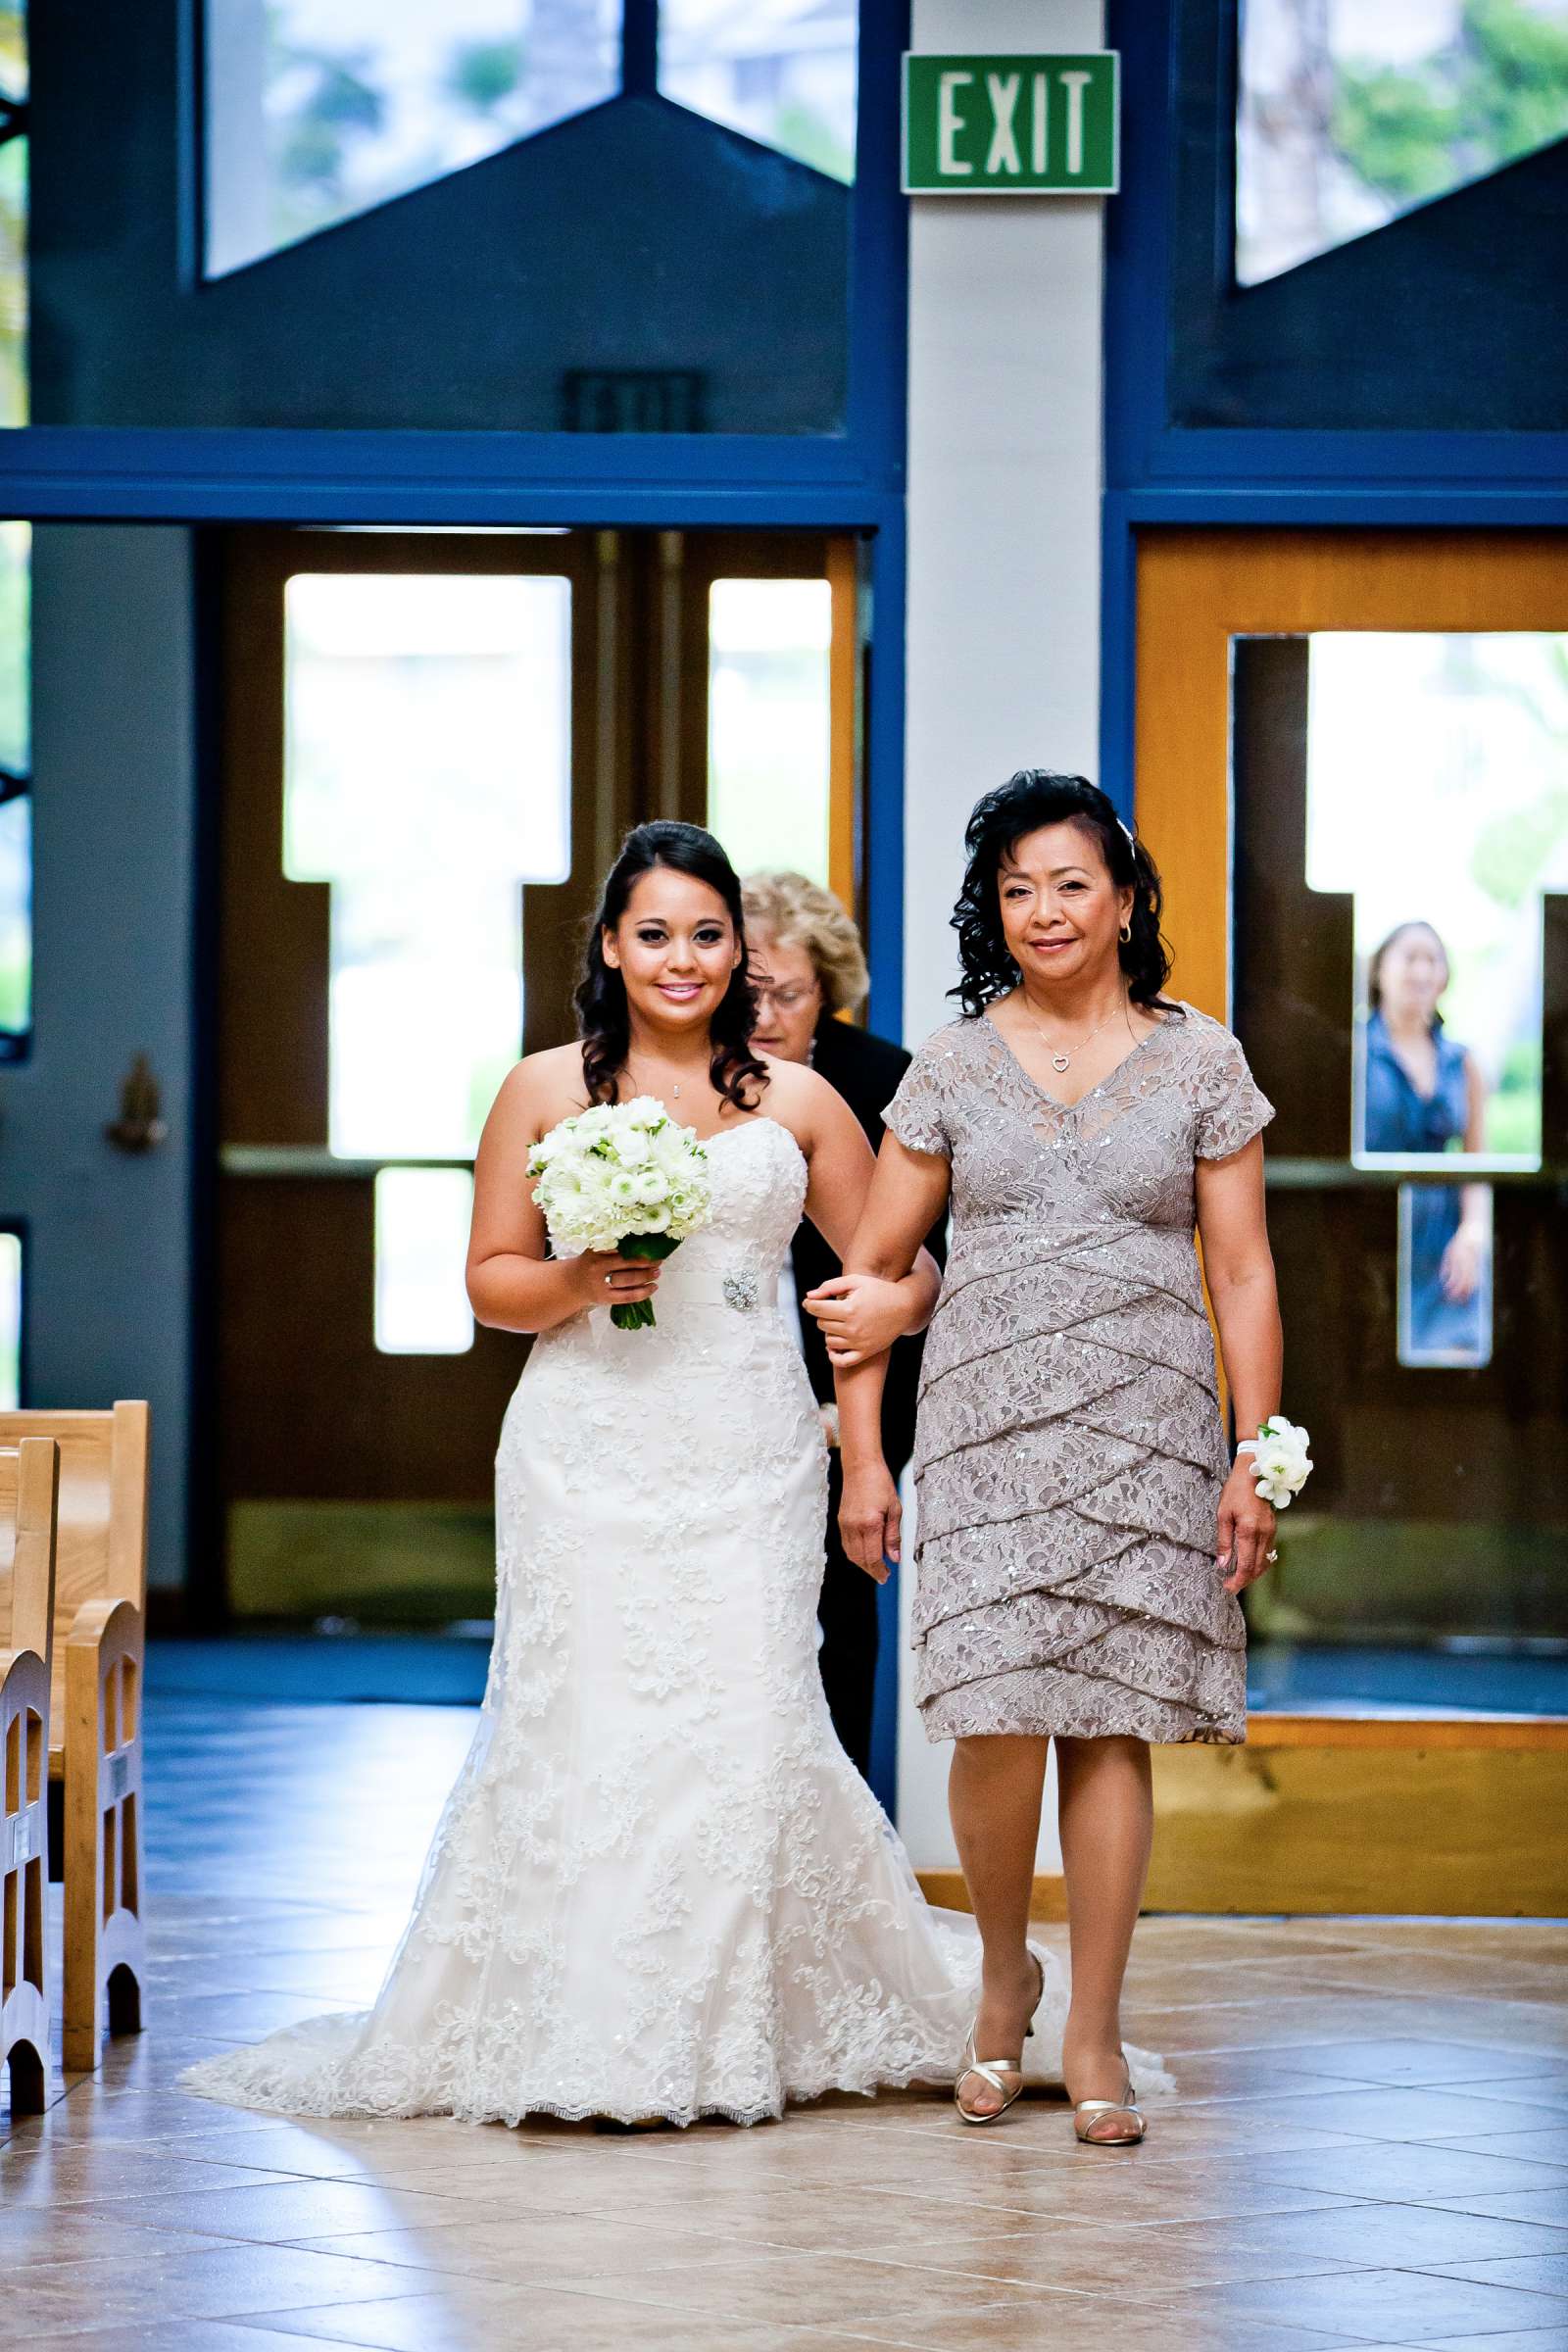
<point>917,1112</point>
<point>1232,1107</point>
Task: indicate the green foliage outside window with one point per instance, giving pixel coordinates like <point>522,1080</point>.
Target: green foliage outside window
<point>12,49</point>
<point>1498,92</point>
<point>801,131</point>
<point>340,105</point>
<point>484,74</point>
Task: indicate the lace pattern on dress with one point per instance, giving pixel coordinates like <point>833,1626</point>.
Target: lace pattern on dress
<point>659,1887</point>
<point>1069,1452</point>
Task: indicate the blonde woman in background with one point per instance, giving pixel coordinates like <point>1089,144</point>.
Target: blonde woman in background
<point>808,967</point>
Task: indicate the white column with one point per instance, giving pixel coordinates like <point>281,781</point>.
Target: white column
<point>1003,592</point>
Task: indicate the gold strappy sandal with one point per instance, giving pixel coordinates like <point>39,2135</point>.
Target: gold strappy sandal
<point>1088,2113</point>
<point>992,2070</point>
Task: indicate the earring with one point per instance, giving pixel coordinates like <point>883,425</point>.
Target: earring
<point>1125,934</point>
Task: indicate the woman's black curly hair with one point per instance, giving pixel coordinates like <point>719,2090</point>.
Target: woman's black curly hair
<point>602,1023</point>
<point>1032,798</point>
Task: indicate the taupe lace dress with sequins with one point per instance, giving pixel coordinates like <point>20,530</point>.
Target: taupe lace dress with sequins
<point>1069,1452</point>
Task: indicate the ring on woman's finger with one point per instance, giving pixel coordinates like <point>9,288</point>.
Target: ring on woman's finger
<point>1271,1557</point>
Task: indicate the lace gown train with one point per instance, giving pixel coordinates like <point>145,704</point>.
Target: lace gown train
<point>659,1887</point>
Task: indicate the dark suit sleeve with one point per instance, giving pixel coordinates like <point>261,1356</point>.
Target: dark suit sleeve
<point>865,1070</point>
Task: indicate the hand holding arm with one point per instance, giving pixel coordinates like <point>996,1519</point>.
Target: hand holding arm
<point>908,1195</point>
<point>863,1315</point>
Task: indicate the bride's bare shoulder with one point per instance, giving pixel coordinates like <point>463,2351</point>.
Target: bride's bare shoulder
<point>541,1089</point>
<point>789,1088</point>
<point>799,1099</point>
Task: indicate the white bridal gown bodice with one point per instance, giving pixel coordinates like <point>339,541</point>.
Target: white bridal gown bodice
<point>659,1887</point>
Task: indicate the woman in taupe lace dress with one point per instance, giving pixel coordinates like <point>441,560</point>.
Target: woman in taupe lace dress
<point>1082,1534</point>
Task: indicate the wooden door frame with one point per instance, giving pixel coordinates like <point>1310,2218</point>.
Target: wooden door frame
<point>639,749</point>
<point>1264,1825</point>
<point>1199,588</point>
<point>272,959</point>
<point>615,669</point>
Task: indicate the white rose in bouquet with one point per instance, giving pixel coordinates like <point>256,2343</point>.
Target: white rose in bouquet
<point>1281,1462</point>
<point>622,1176</point>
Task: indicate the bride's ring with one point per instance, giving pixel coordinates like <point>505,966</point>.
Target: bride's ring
<point>1271,1555</point>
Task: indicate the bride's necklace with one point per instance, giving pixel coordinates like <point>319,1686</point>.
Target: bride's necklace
<point>1061,1057</point>
<point>674,1083</point>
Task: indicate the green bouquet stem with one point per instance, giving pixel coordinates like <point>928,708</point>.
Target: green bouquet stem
<point>655,1245</point>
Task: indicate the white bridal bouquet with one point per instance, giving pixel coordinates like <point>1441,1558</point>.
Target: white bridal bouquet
<point>622,1176</point>
<point>1280,1459</point>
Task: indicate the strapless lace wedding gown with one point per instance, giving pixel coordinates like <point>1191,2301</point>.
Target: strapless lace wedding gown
<point>659,1887</point>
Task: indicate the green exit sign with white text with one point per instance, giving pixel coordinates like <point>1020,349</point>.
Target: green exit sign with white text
<point>1012,125</point>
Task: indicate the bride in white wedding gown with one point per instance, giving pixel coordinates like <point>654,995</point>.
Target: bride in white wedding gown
<point>659,1887</point>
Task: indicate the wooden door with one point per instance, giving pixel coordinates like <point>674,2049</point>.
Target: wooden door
<point>1342,737</point>
<point>355,1458</point>
<point>1440,1508</point>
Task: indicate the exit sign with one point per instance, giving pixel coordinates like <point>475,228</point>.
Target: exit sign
<point>1012,125</point>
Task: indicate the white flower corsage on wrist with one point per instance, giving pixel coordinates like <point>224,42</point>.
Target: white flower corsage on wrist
<point>1281,1464</point>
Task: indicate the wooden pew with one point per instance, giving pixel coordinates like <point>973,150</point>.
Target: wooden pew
<point>28,1497</point>
<point>95,1747</point>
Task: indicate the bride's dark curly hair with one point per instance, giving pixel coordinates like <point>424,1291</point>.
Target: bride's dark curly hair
<point>603,1022</point>
<point>1032,798</point>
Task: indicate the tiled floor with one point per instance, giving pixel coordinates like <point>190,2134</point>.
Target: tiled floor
<point>1370,2145</point>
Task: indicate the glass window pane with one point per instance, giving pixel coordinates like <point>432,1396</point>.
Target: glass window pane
<point>1440,1328</point>
<point>15,802</point>
<point>16,727</point>
<point>15,923</point>
<point>415,238</point>
<point>768,740</point>
<point>426,777</point>
<point>9,1322</point>
<point>318,110</point>
<point>781,71</point>
<point>12,49</point>
<point>1435,794</point>
<point>13,282</point>
<point>1348,115</point>
<point>13,214</point>
<point>422,1240</point>
<point>1400,879</point>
